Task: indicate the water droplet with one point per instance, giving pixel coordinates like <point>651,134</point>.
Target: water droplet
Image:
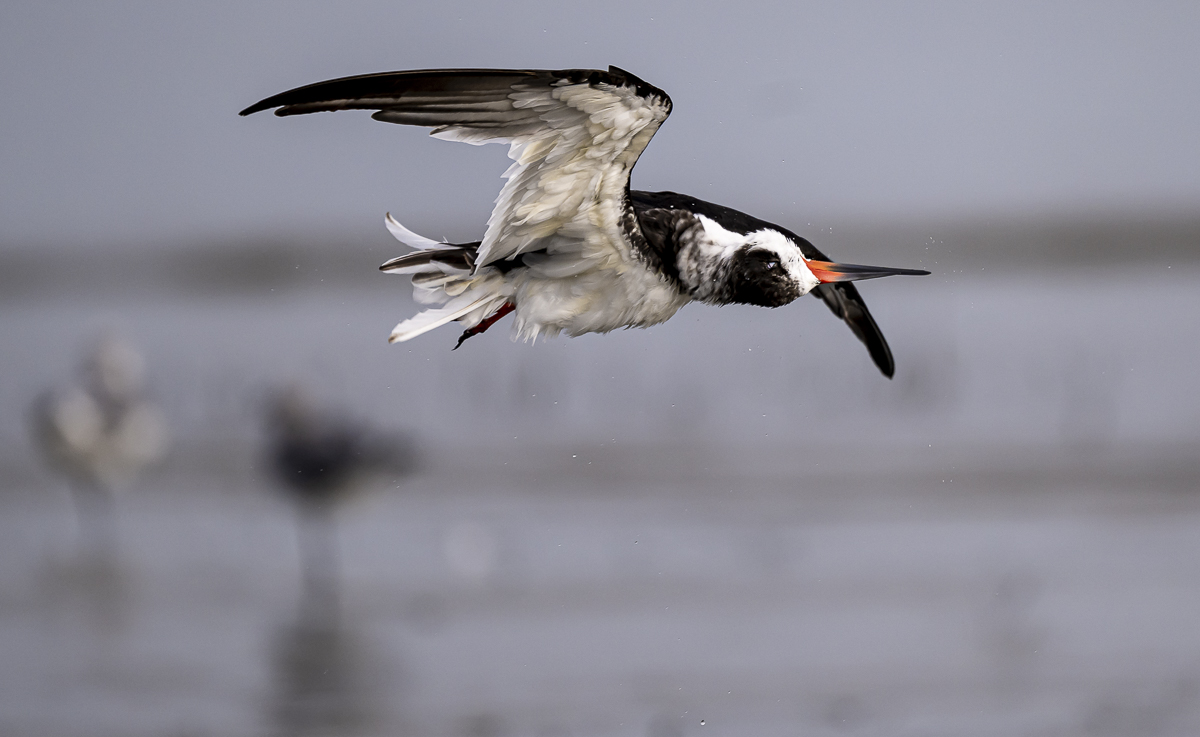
<point>701,722</point>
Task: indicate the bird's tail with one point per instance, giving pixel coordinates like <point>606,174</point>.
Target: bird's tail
<point>443,274</point>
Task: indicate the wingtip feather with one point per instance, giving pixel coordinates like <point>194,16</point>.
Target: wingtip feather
<point>407,237</point>
<point>264,104</point>
<point>423,322</point>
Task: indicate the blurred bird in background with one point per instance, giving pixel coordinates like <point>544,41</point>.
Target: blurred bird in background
<point>100,432</point>
<point>320,667</point>
<point>570,248</point>
<point>318,456</point>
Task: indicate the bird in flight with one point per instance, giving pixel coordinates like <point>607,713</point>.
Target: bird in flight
<point>569,247</point>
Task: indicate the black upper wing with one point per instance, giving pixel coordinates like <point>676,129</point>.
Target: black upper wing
<point>470,98</point>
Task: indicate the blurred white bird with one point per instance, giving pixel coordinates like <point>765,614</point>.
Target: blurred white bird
<point>101,431</point>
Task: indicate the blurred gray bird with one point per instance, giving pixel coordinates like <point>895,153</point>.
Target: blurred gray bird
<point>569,248</point>
<point>318,456</point>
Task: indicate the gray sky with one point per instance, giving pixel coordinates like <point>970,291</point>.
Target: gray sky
<point>120,120</point>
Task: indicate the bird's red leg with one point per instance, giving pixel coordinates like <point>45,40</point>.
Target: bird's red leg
<point>487,322</point>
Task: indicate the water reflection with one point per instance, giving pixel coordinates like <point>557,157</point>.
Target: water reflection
<point>324,680</point>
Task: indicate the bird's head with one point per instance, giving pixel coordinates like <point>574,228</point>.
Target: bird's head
<point>765,267</point>
<point>769,271</point>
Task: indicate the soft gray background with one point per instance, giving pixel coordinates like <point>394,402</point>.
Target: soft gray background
<point>120,122</point>
<point>730,517</point>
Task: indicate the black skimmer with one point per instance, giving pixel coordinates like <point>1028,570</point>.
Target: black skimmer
<point>569,247</point>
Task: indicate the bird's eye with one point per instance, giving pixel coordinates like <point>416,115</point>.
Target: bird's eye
<point>763,255</point>
<point>773,265</point>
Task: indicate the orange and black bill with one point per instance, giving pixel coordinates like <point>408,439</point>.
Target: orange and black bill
<point>827,271</point>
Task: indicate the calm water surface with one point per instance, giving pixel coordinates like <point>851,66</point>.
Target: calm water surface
<point>725,525</point>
